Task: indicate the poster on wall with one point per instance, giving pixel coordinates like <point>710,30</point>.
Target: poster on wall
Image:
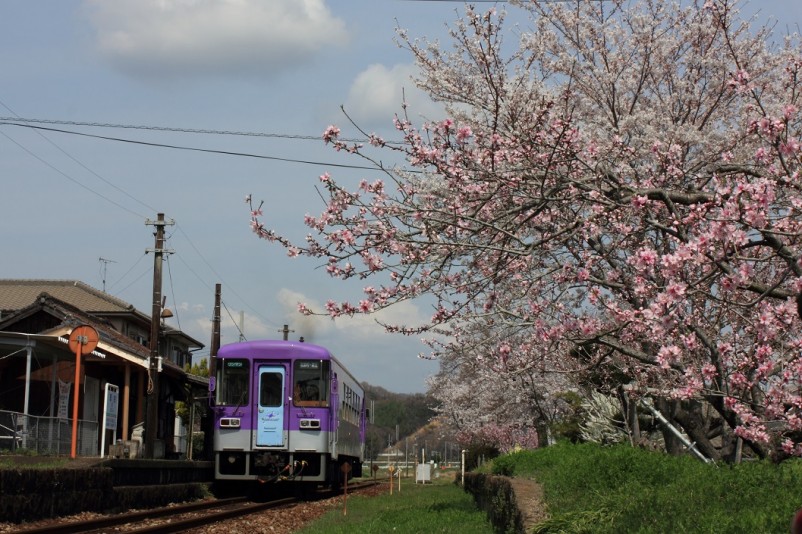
<point>112,397</point>
<point>63,399</point>
<point>111,403</point>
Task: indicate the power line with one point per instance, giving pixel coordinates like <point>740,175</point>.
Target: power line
<point>172,292</point>
<point>193,149</point>
<point>241,335</point>
<point>70,178</point>
<point>220,278</point>
<point>206,131</point>
<point>120,279</point>
<point>76,160</point>
<point>42,160</point>
<point>135,280</point>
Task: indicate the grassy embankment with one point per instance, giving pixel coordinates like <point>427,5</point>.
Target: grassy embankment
<point>600,490</point>
<point>427,508</point>
<point>620,489</point>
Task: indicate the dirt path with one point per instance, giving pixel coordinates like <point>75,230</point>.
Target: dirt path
<point>529,496</point>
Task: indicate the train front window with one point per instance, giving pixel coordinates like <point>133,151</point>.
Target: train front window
<point>270,390</point>
<point>310,379</point>
<point>232,383</point>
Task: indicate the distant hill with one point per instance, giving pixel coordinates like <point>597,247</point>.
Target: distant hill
<point>404,413</point>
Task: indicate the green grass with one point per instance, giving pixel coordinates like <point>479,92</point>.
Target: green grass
<point>440,506</point>
<point>30,461</point>
<point>589,488</point>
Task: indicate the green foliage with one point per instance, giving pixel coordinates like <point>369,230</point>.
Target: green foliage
<point>431,508</point>
<point>568,426</point>
<point>199,369</point>
<point>18,452</point>
<point>197,445</point>
<point>586,521</point>
<point>409,412</point>
<point>590,488</point>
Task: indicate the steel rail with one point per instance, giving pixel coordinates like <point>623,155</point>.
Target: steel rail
<point>75,527</point>
<point>97,524</point>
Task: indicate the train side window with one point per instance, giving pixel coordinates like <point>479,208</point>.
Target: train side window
<point>309,383</point>
<point>232,383</point>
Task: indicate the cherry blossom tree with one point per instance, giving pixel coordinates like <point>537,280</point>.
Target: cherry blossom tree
<point>489,385</point>
<point>617,198</point>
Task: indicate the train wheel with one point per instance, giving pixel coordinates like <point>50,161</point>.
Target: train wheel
<point>334,476</point>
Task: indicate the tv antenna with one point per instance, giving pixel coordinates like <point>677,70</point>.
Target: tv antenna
<point>105,263</point>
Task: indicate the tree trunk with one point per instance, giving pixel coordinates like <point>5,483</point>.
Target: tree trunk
<point>542,428</point>
<point>629,408</point>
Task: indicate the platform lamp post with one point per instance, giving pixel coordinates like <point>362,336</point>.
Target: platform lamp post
<point>83,340</point>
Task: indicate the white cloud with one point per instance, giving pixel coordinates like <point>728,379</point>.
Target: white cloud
<point>378,92</point>
<point>362,328</point>
<point>388,360</point>
<point>172,38</point>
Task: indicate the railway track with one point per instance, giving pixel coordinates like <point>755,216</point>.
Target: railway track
<point>179,518</point>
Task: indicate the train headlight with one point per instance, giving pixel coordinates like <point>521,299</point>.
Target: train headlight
<point>229,422</point>
<point>310,424</point>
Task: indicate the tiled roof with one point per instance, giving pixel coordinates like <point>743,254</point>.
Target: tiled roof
<point>16,294</point>
<point>72,316</point>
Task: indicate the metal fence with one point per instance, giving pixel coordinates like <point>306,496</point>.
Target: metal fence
<point>47,435</point>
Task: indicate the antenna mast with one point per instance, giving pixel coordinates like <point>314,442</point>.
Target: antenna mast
<point>105,263</point>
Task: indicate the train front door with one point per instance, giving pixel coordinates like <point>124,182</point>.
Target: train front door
<point>271,409</point>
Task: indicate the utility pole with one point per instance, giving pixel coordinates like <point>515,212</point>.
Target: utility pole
<point>215,345</point>
<point>207,423</point>
<point>286,331</point>
<point>154,361</point>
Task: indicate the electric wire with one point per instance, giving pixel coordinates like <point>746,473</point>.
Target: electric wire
<point>232,320</point>
<point>220,278</point>
<point>204,131</point>
<point>196,149</point>
<point>120,279</point>
<point>135,280</point>
<point>70,178</point>
<point>15,121</point>
<point>80,163</point>
<point>121,207</point>
<point>172,292</point>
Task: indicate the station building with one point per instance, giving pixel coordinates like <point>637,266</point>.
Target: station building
<point>37,370</point>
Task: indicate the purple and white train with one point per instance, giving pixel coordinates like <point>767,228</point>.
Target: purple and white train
<point>286,410</point>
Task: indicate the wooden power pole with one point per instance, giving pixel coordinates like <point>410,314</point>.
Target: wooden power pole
<point>154,361</point>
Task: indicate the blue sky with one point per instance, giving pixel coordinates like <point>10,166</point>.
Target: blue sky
<point>267,66</point>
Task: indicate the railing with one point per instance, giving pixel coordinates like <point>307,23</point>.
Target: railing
<point>46,435</point>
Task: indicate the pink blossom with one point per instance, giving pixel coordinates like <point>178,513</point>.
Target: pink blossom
<point>330,134</point>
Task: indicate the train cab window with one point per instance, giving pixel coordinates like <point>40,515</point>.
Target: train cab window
<point>310,379</point>
<point>232,383</point>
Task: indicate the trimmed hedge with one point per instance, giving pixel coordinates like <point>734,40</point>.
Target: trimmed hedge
<point>496,496</point>
<point>29,494</point>
<point>33,494</point>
